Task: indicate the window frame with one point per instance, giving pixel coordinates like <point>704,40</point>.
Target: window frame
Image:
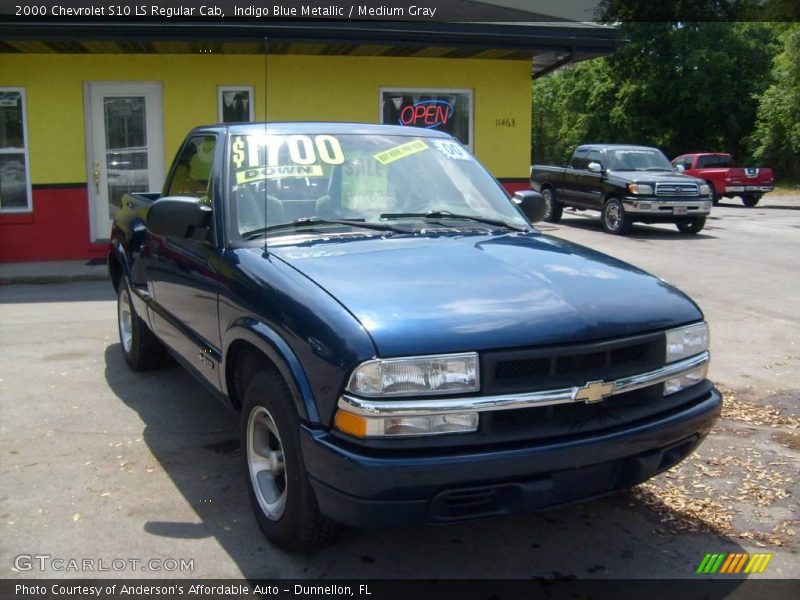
<point>26,153</point>
<point>470,93</point>
<point>221,89</point>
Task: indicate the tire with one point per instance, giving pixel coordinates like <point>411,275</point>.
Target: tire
<point>615,221</point>
<point>280,493</point>
<point>554,208</point>
<point>714,197</point>
<point>141,349</point>
<point>751,200</point>
<point>691,226</point>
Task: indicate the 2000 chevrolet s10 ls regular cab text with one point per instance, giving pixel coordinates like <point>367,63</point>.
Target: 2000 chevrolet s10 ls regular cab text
<point>402,344</point>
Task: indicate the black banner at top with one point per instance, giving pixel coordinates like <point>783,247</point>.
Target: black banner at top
<point>508,11</point>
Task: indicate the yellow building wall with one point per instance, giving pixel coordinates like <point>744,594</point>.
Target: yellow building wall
<point>326,88</point>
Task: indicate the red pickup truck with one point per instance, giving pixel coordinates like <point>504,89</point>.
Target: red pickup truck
<point>725,180</point>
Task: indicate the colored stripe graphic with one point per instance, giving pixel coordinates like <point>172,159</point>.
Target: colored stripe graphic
<point>733,563</point>
<point>728,562</point>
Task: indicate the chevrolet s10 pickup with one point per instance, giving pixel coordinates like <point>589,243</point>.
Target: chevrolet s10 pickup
<point>625,184</point>
<point>402,344</point>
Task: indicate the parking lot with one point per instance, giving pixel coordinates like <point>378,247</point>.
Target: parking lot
<point>98,462</point>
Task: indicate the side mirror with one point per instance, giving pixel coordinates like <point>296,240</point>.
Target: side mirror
<point>532,204</point>
<point>595,167</point>
<point>178,216</point>
<point>680,168</point>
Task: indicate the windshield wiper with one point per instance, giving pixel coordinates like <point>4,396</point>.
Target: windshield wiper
<point>446,214</point>
<point>312,221</point>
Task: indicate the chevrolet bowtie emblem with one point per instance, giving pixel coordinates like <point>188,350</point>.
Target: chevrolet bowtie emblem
<point>594,391</point>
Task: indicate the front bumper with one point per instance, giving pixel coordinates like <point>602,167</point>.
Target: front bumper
<point>667,208</point>
<point>366,488</point>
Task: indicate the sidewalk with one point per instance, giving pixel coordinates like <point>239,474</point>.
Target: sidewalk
<point>55,271</point>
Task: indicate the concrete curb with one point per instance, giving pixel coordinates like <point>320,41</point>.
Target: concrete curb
<point>44,279</point>
<point>56,271</point>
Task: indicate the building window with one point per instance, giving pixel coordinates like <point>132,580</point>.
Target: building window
<point>445,110</point>
<point>15,181</point>
<point>235,103</point>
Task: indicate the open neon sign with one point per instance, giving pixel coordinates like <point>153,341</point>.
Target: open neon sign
<point>427,113</point>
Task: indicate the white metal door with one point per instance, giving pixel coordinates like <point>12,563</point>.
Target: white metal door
<point>124,146</point>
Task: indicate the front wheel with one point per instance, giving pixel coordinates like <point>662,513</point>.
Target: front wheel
<point>284,503</point>
<point>751,200</point>
<point>615,221</point>
<point>714,196</point>
<point>691,226</point>
<point>141,349</point>
<point>554,208</point>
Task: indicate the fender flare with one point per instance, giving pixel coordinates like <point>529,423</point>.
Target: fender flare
<point>266,340</point>
<point>117,251</point>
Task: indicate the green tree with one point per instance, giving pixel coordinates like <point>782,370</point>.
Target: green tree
<point>679,86</point>
<point>776,139</point>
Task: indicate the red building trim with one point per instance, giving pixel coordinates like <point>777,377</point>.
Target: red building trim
<point>515,184</point>
<point>56,229</point>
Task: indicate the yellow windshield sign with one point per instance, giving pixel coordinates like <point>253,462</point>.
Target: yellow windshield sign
<point>401,151</point>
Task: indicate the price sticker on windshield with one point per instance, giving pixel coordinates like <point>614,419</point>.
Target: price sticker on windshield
<point>254,151</point>
<point>452,150</point>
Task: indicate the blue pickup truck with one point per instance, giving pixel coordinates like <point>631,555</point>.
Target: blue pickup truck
<point>402,344</point>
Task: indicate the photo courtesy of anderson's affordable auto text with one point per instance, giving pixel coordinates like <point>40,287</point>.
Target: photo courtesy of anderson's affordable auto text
<point>373,300</point>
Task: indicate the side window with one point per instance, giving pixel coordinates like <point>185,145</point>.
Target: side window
<point>192,174</point>
<point>594,156</point>
<point>15,182</point>
<point>579,160</point>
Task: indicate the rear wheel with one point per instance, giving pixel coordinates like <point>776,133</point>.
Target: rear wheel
<point>140,347</point>
<point>554,208</point>
<point>751,200</point>
<point>282,498</point>
<point>691,226</point>
<point>615,221</point>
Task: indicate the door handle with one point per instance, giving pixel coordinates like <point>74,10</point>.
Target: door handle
<point>96,175</point>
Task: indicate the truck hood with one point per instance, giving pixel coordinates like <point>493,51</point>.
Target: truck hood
<point>653,177</point>
<point>449,293</point>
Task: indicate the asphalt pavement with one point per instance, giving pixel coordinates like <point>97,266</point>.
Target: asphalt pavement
<point>100,463</point>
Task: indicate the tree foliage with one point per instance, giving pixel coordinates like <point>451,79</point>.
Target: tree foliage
<point>776,139</point>
<point>681,86</point>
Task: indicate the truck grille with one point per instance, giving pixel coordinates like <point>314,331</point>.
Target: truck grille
<point>677,189</point>
<point>573,365</point>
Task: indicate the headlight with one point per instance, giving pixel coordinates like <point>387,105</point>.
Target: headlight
<point>705,189</point>
<point>640,189</point>
<point>416,376</point>
<point>687,341</point>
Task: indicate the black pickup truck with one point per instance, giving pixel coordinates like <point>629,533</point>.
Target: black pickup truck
<point>626,184</point>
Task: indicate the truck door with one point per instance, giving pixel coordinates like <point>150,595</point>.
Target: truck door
<point>183,271</point>
<point>589,187</point>
<point>569,186</point>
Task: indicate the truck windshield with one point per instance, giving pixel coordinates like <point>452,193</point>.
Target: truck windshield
<point>637,159</point>
<point>279,183</point>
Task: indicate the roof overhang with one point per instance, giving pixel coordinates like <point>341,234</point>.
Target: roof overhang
<point>549,44</point>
